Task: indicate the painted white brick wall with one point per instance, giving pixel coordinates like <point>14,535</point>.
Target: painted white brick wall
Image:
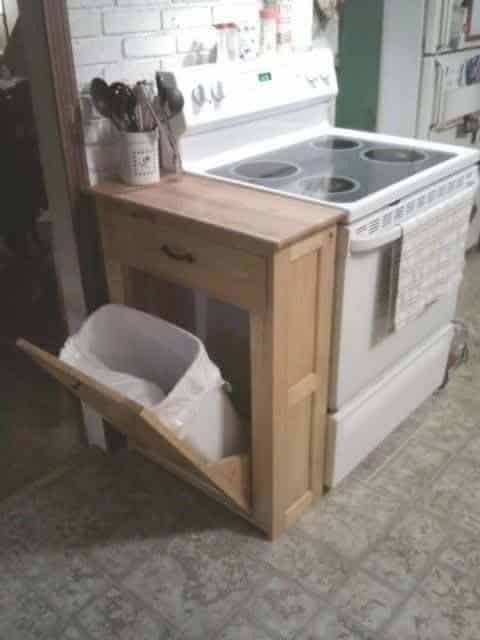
<point>128,21</point>
<point>85,23</point>
<point>129,40</point>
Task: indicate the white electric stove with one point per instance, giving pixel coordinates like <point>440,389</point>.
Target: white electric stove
<point>267,125</point>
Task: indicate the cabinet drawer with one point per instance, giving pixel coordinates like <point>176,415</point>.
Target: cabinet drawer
<point>137,238</point>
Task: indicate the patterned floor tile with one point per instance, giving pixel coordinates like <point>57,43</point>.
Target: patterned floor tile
<point>376,503</point>
<point>72,632</point>
<point>33,518</point>
<point>116,616</point>
<point>404,553</point>
<point>447,488</point>
<point>24,615</point>
<point>461,385</point>
<point>201,584</point>
<point>243,629</point>
<point>399,437</point>
<point>348,533</point>
<point>462,552</point>
<point>454,495</point>
<point>414,466</point>
<point>133,542</point>
<point>70,582</point>
<point>328,625</point>
<point>447,427</point>
<point>472,451</point>
<point>282,607</point>
<point>370,466</point>
<point>367,601</point>
<point>309,562</point>
<point>445,607</point>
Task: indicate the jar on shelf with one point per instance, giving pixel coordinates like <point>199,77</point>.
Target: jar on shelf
<point>227,42</point>
<point>284,33</point>
<point>268,30</point>
<point>302,25</point>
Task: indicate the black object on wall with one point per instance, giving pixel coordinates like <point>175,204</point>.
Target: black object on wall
<point>22,188</point>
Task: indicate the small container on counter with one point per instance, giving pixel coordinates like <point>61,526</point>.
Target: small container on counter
<point>139,164</point>
<point>268,30</point>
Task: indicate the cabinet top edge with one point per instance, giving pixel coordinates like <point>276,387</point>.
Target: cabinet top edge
<point>263,222</point>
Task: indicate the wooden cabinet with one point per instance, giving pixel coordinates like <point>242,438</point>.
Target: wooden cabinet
<point>278,264</point>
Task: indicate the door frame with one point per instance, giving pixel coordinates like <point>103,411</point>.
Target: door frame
<point>56,103</point>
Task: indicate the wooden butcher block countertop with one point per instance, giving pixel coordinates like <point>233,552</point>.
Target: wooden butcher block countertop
<point>249,219</point>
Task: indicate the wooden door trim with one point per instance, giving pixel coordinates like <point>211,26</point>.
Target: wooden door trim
<point>66,95</point>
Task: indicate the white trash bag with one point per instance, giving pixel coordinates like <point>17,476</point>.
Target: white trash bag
<point>161,367</point>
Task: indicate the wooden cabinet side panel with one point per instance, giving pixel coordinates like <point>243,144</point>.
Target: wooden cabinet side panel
<point>309,327</point>
<point>269,379</point>
<point>298,439</point>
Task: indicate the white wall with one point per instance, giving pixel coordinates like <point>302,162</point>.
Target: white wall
<point>129,40</point>
<point>10,8</point>
<point>401,65</point>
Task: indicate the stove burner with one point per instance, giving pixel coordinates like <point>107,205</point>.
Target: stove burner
<point>395,155</point>
<point>318,185</point>
<point>265,170</point>
<point>335,143</point>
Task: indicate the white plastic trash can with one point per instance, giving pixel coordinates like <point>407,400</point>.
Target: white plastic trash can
<point>164,368</point>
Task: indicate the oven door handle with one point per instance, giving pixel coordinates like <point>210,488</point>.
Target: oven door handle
<point>371,244</point>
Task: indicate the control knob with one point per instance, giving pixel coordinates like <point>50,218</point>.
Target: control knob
<point>218,92</point>
<point>199,96</point>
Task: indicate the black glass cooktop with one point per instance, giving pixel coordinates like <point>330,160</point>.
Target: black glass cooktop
<point>333,168</point>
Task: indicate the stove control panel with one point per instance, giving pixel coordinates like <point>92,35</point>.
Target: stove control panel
<point>224,93</point>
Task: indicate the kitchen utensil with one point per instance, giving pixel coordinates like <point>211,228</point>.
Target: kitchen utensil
<point>145,97</point>
<point>172,98</point>
<point>145,101</point>
<point>102,99</point>
<point>124,104</point>
<point>140,107</point>
<point>175,101</point>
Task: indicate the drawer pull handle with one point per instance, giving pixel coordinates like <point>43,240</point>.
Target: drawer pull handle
<point>176,255</point>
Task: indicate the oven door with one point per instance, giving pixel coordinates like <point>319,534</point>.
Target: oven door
<point>365,347</point>
<point>451,25</point>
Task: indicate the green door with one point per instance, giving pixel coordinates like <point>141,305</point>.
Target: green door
<point>361,25</point>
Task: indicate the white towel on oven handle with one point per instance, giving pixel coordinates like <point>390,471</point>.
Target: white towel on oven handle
<point>432,258</point>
